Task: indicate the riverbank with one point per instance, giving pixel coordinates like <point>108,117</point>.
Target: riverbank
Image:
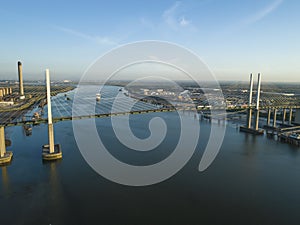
<point>34,95</point>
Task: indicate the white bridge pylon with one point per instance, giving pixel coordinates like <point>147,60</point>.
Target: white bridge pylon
<point>51,151</point>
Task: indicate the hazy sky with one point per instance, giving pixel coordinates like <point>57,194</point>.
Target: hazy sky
<point>234,37</point>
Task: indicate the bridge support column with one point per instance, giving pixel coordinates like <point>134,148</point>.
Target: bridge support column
<point>290,116</point>
<point>250,102</point>
<point>257,102</point>
<point>249,119</point>
<point>51,151</point>
<point>2,142</point>
<point>274,117</point>
<point>5,156</point>
<point>283,115</point>
<point>256,119</point>
<point>269,117</point>
<point>51,138</point>
<point>248,128</point>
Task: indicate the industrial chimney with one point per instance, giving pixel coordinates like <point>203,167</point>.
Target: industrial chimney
<point>20,80</point>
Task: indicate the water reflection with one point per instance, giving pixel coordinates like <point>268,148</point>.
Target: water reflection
<point>5,181</point>
<point>250,147</point>
<point>27,129</point>
<point>56,203</point>
<point>53,175</point>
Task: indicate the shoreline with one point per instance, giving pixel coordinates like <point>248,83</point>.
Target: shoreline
<point>15,112</point>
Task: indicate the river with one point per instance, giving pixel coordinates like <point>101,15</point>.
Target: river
<point>253,180</point>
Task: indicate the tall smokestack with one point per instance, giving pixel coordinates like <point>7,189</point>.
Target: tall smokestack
<point>20,80</point>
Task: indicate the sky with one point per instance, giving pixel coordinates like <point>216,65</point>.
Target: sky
<point>233,37</point>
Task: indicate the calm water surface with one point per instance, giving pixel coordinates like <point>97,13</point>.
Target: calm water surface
<point>254,180</point>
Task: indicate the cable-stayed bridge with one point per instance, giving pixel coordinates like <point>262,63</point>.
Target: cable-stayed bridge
<point>115,101</point>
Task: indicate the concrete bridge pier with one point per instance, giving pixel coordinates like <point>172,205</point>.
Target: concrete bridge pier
<point>290,116</point>
<point>256,119</point>
<point>51,151</point>
<point>283,116</point>
<point>274,117</point>
<point>257,102</point>
<point>269,117</point>
<point>5,156</point>
<point>248,128</point>
<point>249,119</point>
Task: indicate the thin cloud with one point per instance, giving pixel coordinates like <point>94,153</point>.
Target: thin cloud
<point>169,16</point>
<point>174,19</point>
<point>264,12</point>
<point>96,39</point>
<point>184,22</point>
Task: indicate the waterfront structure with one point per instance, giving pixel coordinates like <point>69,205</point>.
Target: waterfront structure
<point>5,156</point>
<point>274,117</point>
<point>284,115</point>
<point>290,116</point>
<point>51,151</point>
<point>269,117</point>
<point>248,128</point>
<point>257,102</point>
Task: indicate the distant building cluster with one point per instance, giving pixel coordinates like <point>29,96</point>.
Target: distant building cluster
<point>6,96</point>
<point>4,91</point>
<point>176,95</point>
<point>158,92</point>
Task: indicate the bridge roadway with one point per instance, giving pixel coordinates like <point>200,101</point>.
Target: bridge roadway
<point>164,109</point>
<point>102,115</point>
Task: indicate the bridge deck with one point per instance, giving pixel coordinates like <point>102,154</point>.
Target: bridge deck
<point>68,118</point>
<point>102,115</point>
